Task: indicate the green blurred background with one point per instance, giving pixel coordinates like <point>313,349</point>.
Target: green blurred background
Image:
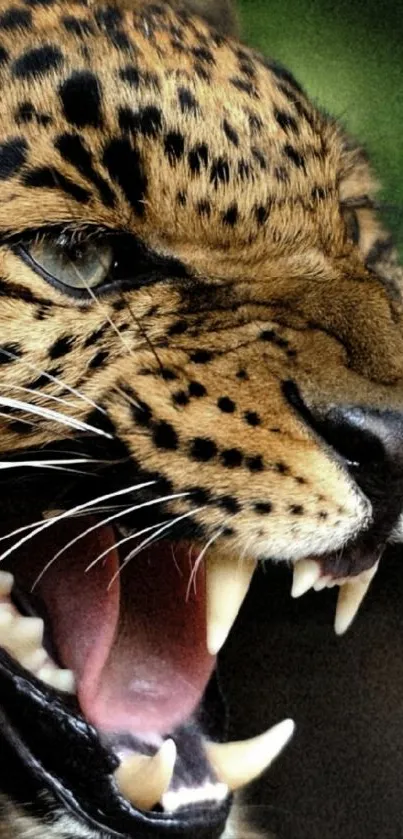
<point>349,57</point>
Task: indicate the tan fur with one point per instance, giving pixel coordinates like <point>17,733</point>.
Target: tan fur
<point>261,228</point>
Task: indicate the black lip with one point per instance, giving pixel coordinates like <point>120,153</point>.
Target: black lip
<point>63,754</point>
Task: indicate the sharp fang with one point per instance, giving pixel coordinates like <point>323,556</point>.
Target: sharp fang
<point>239,763</point>
<point>306,574</point>
<point>227,582</point>
<point>144,780</point>
<point>55,677</point>
<point>351,595</point>
<point>6,583</point>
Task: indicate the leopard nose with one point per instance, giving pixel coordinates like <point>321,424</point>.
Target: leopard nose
<point>369,438</point>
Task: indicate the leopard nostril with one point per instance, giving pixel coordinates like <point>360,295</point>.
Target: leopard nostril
<point>362,436</point>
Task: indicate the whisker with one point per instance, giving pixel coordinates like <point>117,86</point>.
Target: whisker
<point>85,506</point>
<point>55,379</point>
<point>48,413</point>
<point>17,464</point>
<point>117,545</point>
<point>199,559</point>
<point>103,523</point>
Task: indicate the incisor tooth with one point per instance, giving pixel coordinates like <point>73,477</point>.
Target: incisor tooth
<point>306,574</point>
<point>57,678</point>
<point>351,595</point>
<point>239,763</point>
<point>143,780</point>
<point>227,582</point>
<point>6,583</point>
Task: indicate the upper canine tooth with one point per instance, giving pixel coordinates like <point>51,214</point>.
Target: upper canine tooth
<point>144,780</point>
<point>227,582</point>
<point>239,763</point>
<point>57,678</point>
<point>351,595</point>
<point>306,574</point>
<point>6,583</point>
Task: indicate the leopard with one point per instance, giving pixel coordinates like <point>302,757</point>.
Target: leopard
<point>201,372</point>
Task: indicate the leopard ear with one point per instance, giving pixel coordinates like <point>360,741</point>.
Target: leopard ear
<point>357,189</point>
<point>220,14</point>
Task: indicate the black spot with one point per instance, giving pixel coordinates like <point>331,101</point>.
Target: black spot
<point>178,328</point>
<point>3,56</point>
<point>201,356</point>
<point>72,149</point>
<point>245,87</point>
<point>244,170</point>
<point>174,145</point>
<point>322,515</point>
<point>219,172</point>
<point>15,18</point>
<point>109,17</point>
<point>125,168</point>
<point>62,346</point>
<point>98,359</point>
<point>255,463</point>
<point>188,103</point>
<point>263,507</point>
<point>252,418</point>
<point>230,133</point>
<point>203,54</point>
<point>200,495</point>
<point>181,198</point>
<point>204,208</point>
<point>141,413</point>
<point>259,157</point>
<point>37,62</point>
<point>229,503</point>
<point>78,26</point>
<point>271,336</point>
<point>231,458</point>
<point>255,123</point>
<point>282,468</point>
<point>50,178</point>
<point>120,40</point>
<point>262,213</point>
<point>180,398</point>
<point>198,157</point>
<point>300,480</point>
<point>131,75</point>
<point>295,157</point>
<point>167,374</point>
<point>13,154</point>
<point>165,436</point>
<point>9,353</point>
<point>203,449</point>
<point>81,99</point>
<point>44,3</point>
<point>230,217</point>
<point>296,509</point>
<point>226,405</point>
<point>197,389</point>
<point>318,193</point>
<point>282,73</point>
<point>242,375</point>
<point>146,121</point>
<point>202,73</point>
<point>286,121</point>
<point>96,336</point>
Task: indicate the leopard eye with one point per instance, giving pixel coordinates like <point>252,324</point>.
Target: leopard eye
<point>82,266</point>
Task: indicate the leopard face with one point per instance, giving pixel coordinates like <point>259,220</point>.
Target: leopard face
<point>197,325</point>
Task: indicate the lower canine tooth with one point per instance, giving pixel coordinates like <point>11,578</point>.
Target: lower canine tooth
<point>6,583</point>
<point>144,780</point>
<point>57,678</point>
<point>227,582</point>
<point>351,595</point>
<point>239,763</point>
<point>306,574</point>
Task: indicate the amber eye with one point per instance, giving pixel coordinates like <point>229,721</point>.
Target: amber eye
<point>80,266</point>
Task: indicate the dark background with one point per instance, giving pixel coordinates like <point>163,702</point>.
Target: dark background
<point>342,777</point>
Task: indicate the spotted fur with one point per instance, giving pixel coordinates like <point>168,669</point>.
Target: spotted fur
<point>261,270</point>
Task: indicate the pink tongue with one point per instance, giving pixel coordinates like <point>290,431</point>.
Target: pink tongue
<point>137,646</point>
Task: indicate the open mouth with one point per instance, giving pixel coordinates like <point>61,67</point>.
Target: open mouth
<point>109,692</point>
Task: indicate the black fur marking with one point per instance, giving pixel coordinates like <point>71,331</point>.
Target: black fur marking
<point>198,157</point>
<point>26,113</point>
<point>62,346</point>
<point>72,149</point>
<point>197,389</point>
<point>165,436</point>
<point>230,217</point>
<point>141,413</point>
<point>78,26</point>
<point>125,168</point>
<point>231,458</point>
<point>188,103</point>
<point>286,121</point>
<point>219,172</point>
<point>201,356</point>
<point>296,509</point>
<point>7,350</point>
<point>261,214</point>
<point>38,62</point>
<point>245,87</point>
<point>13,154</point>
<point>255,463</point>
<point>81,99</point>
<point>295,157</point>
<point>252,418</point>
<point>15,18</point>
<point>174,146</point>
<point>230,133</point>
<point>3,56</point>
<point>146,121</point>
<point>229,503</point>
<point>178,328</point>
<point>180,398</point>
<point>98,359</point>
<point>204,208</point>
<point>203,54</point>
<point>226,405</point>
<point>263,507</point>
<point>50,178</point>
<point>259,157</point>
<point>203,449</point>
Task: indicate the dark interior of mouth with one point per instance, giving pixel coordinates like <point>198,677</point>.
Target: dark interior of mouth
<point>135,639</point>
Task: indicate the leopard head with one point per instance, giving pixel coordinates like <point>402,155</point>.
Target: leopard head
<point>201,369</point>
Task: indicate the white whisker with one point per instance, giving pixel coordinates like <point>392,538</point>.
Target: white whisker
<point>17,464</point>
<point>198,560</point>
<point>48,413</point>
